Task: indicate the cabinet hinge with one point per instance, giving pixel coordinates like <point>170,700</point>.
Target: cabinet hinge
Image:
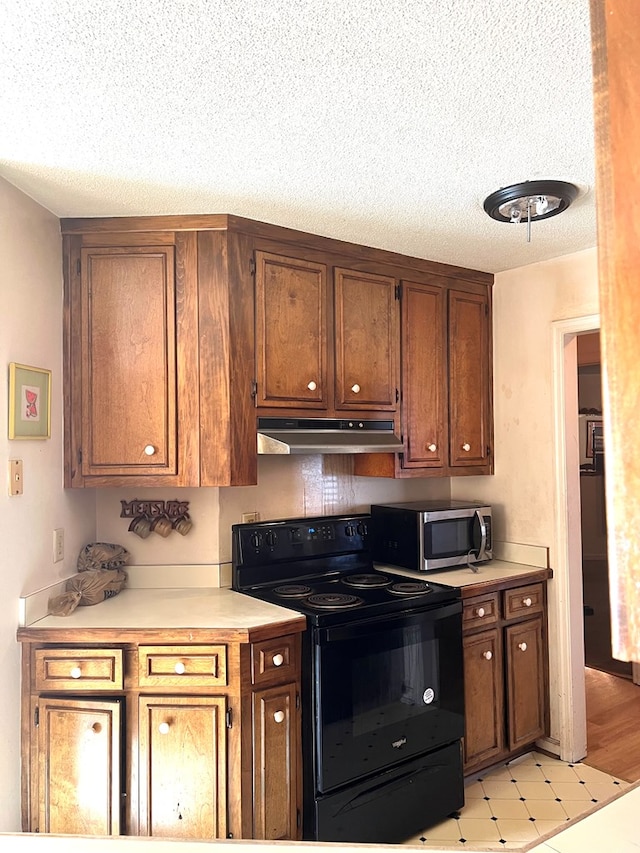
<point>252,266</point>
<point>78,266</point>
<point>397,396</point>
<point>36,716</point>
<point>488,450</point>
<point>298,818</point>
<point>254,389</point>
<point>398,291</point>
<point>297,700</point>
<point>79,456</point>
<point>229,718</point>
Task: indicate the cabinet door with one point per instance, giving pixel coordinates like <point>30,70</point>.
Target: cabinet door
<point>484,697</point>
<point>291,332</point>
<point>525,682</point>
<point>277,780</point>
<point>183,761</point>
<point>424,376</point>
<point>366,341</point>
<point>78,768</point>
<point>128,351</point>
<point>469,380</point>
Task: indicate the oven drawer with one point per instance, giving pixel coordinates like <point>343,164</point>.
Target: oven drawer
<point>78,669</point>
<point>274,660</point>
<point>182,666</point>
<point>480,611</point>
<point>523,601</point>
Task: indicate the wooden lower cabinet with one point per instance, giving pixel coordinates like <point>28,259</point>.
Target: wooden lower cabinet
<point>277,771</point>
<point>483,685</point>
<point>78,770</point>
<point>187,741</point>
<point>505,674</point>
<point>182,767</point>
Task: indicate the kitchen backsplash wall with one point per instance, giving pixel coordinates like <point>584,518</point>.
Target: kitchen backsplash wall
<point>287,488</point>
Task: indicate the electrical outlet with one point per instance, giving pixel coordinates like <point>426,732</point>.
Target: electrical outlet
<point>58,544</point>
<point>250,517</point>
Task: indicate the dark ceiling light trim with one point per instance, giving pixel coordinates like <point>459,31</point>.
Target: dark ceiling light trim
<point>530,201</point>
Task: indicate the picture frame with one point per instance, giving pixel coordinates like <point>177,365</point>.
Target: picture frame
<point>29,402</point>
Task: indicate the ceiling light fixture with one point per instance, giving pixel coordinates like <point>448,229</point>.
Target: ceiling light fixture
<point>530,201</point>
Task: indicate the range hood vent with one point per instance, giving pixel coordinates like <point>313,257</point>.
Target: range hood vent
<point>326,435</point>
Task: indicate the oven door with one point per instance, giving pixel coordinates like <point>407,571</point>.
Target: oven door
<point>387,689</point>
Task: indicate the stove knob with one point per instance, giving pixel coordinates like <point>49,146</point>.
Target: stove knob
<point>271,538</point>
<point>256,540</point>
<point>350,530</point>
<point>362,528</point>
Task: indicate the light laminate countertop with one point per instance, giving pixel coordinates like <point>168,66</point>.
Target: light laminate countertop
<point>487,574</point>
<point>181,613</point>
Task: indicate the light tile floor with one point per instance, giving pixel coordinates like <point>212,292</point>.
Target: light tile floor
<point>512,806</point>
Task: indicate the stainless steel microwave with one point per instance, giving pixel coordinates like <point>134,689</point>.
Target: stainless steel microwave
<point>429,535</point>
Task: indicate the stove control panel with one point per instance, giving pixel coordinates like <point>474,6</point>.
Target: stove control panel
<point>300,538</point>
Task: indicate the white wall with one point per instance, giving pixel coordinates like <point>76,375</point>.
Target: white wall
<point>526,302</point>
<point>30,333</point>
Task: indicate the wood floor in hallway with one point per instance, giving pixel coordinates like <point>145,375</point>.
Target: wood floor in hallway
<point>613,725</point>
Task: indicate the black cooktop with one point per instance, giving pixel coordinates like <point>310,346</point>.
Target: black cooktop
<point>322,567</point>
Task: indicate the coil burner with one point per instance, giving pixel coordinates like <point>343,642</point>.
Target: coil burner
<point>410,588</point>
<point>293,590</point>
<point>366,581</point>
<point>333,600</point>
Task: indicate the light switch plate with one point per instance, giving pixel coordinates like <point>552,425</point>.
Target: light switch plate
<point>15,477</point>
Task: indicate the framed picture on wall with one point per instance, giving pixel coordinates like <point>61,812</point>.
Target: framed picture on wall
<point>29,402</point>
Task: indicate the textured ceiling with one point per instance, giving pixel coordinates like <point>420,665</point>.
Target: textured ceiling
<point>384,122</point>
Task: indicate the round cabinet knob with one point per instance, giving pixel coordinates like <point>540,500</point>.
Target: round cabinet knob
<point>278,660</point>
<point>76,672</point>
<point>466,447</point>
<point>163,728</point>
<point>179,668</point>
<point>97,728</point>
<point>432,448</point>
<point>312,386</point>
<point>355,388</point>
<point>527,602</point>
<point>278,716</point>
<point>149,450</point>
<point>487,655</point>
<point>522,647</point>
<point>480,612</point>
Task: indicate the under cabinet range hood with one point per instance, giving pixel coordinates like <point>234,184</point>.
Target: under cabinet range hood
<point>326,435</point>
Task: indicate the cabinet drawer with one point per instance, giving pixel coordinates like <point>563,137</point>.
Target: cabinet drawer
<point>78,669</point>
<point>274,660</point>
<point>523,601</point>
<point>182,666</point>
<point>480,610</point>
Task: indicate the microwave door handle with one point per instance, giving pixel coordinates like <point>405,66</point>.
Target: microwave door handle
<point>482,550</point>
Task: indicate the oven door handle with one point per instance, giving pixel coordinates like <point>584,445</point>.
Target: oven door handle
<point>376,625</point>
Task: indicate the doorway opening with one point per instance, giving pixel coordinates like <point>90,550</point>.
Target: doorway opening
<point>595,570</point>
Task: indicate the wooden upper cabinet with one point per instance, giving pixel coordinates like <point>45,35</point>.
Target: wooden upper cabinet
<point>291,332</point>
<point>367,341</point>
<point>469,380</point>
<point>424,375</point>
<point>129,356</point>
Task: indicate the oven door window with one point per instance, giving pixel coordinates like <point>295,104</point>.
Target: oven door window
<point>388,689</point>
